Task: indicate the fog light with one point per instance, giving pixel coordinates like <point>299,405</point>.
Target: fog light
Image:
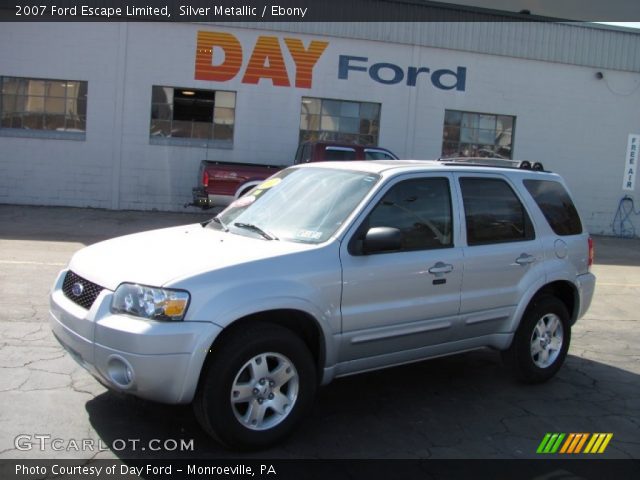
<point>120,372</point>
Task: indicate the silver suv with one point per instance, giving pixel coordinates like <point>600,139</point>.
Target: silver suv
<point>327,270</point>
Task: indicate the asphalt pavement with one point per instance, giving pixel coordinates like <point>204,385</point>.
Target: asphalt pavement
<point>462,407</point>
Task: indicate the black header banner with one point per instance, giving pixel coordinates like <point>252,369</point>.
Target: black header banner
<point>316,10</point>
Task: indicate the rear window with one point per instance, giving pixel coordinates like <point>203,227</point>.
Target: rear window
<point>377,155</point>
<point>338,153</point>
<point>556,206</point>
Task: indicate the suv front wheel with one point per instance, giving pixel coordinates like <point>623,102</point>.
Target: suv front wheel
<point>256,386</point>
<point>541,342</point>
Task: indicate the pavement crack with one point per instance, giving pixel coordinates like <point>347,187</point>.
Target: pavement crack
<point>77,389</point>
<point>26,380</point>
<point>36,360</point>
<point>22,336</point>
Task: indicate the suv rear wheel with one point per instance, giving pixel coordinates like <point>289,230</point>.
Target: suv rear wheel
<point>256,386</point>
<point>541,342</point>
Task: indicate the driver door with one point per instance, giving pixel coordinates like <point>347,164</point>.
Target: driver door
<point>397,303</point>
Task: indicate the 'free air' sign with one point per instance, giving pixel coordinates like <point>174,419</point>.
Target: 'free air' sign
<point>631,162</point>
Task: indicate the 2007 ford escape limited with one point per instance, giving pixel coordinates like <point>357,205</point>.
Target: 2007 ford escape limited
<point>327,270</point>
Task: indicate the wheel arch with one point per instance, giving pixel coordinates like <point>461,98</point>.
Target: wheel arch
<point>564,291</point>
<point>532,356</point>
<point>301,323</point>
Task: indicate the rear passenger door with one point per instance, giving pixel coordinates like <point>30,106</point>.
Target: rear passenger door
<point>502,255</point>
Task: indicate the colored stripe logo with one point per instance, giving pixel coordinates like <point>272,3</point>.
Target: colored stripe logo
<point>573,443</point>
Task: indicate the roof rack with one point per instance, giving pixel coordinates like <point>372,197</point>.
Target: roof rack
<point>493,162</point>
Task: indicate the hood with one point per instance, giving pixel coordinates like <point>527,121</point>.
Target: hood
<point>157,257</point>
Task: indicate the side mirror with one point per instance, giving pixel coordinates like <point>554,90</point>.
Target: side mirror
<point>382,239</point>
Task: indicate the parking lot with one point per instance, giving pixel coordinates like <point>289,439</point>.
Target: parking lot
<point>458,407</point>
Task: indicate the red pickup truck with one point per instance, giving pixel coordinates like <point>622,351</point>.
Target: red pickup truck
<point>220,183</point>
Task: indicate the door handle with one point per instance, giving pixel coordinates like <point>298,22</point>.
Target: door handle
<point>441,267</point>
<point>525,259</point>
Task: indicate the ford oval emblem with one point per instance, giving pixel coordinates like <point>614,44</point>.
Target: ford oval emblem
<point>77,289</point>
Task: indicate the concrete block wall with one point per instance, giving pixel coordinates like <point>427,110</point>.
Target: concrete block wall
<point>576,124</point>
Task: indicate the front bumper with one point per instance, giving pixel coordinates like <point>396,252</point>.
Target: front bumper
<point>159,361</point>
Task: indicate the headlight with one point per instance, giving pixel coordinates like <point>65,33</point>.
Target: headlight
<point>150,302</point>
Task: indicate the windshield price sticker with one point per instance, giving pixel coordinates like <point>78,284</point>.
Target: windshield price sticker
<point>309,234</point>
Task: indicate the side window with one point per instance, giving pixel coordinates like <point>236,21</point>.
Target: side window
<point>339,153</point>
<point>493,212</point>
<point>421,210</point>
<point>377,155</point>
<point>556,206</point>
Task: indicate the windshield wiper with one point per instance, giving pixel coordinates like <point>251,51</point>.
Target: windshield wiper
<point>254,228</point>
<point>216,220</point>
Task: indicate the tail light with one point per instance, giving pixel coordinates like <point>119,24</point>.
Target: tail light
<point>205,179</point>
<point>591,252</point>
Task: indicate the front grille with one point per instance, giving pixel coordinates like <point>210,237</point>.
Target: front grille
<point>88,292</point>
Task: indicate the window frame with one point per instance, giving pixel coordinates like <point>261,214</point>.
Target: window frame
<point>338,136</point>
<point>26,132</point>
<point>360,226</point>
<point>529,225</point>
<point>479,145</point>
<point>190,141</point>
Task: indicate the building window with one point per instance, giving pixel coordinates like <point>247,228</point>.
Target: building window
<point>187,113</point>
<point>341,121</point>
<point>32,106</point>
<point>468,134</point>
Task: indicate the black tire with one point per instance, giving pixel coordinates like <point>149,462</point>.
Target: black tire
<point>522,357</point>
<point>230,372</point>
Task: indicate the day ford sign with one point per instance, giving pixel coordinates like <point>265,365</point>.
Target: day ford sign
<point>391,74</point>
<point>220,57</point>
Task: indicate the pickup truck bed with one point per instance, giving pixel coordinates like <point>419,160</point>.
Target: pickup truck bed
<point>223,182</point>
<point>220,183</point>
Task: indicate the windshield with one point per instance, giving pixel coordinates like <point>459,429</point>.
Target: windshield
<point>299,204</point>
